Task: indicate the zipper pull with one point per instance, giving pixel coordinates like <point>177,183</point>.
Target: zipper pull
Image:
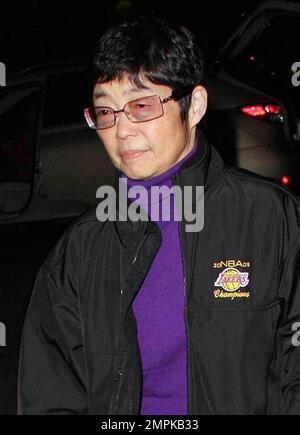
<point>139,248</point>
<point>117,378</point>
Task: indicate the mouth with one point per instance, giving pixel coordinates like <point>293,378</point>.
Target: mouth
<point>134,154</point>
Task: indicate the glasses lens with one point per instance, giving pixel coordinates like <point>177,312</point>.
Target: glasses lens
<point>104,117</point>
<point>99,117</point>
<point>144,109</point>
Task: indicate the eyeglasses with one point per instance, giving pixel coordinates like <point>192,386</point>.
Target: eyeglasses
<point>141,110</point>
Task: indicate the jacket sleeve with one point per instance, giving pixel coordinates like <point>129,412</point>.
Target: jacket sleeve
<point>289,331</point>
<point>51,378</point>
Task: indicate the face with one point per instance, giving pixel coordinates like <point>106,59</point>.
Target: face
<point>146,149</point>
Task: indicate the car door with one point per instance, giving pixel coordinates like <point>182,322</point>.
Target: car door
<point>24,243</point>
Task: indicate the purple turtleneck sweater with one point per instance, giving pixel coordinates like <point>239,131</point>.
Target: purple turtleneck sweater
<point>159,311</point>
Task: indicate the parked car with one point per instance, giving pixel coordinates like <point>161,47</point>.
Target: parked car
<point>51,165</point>
<point>253,116</point>
<point>41,109</point>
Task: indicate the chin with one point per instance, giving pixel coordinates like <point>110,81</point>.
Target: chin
<point>138,174</point>
<point>135,176</point>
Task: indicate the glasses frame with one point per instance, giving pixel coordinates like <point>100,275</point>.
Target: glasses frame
<point>177,94</point>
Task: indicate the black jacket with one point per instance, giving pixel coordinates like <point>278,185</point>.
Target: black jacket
<point>79,352</point>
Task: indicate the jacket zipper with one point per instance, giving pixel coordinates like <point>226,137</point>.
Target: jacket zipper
<point>118,382</point>
<point>123,287</point>
<point>117,379</point>
<point>185,306</point>
<point>185,315</point>
<point>130,409</point>
<point>138,250</point>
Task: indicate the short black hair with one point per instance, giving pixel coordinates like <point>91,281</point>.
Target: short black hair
<point>163,52</point>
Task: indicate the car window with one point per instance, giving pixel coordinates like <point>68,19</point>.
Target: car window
<point>66,95</point>
<point>267,60</point>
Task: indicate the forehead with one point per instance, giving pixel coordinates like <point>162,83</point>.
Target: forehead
<point>126,88</point>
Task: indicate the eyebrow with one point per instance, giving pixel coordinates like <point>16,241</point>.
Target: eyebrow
<point>101,93</point>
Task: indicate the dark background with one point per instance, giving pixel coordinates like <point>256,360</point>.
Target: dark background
<point>34,32</point>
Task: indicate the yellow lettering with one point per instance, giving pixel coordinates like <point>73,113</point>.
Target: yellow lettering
<point>230,263</point>
<point>231,295</point>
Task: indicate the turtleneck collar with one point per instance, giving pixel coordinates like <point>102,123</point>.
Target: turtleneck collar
<point>163,178</point>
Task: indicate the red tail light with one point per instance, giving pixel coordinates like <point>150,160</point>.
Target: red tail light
<point>268,112</point>
<point>285,180</point>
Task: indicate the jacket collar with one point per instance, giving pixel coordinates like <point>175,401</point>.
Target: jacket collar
<point>202,169</point>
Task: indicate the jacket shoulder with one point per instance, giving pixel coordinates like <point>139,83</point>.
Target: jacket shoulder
<point>260,187</point>
<point>259,196</point>
<point>69,243</point>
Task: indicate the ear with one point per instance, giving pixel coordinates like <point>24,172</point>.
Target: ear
<point>198,105</point>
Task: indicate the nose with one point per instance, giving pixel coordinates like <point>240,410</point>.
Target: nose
<point>124,126</point>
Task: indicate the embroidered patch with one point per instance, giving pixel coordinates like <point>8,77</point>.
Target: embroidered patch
<point>232,280</point>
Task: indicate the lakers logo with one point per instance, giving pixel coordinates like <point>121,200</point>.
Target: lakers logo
<point>232,279</point>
